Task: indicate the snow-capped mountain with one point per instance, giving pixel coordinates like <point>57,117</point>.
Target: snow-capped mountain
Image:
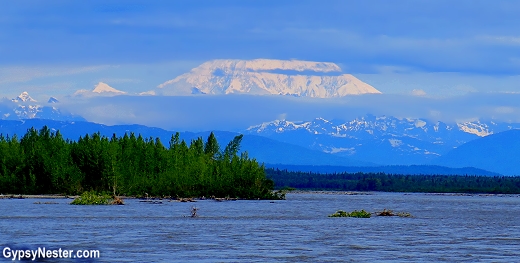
<point>53,100</point>
<point>384,140</point>
<point>101,89</point>
<point>266,76</point>
<point>25,107</point>
<point>24,97</point>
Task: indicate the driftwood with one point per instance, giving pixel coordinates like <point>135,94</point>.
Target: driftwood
<point>117,201</point>
<point>194,211</point>
<point>386,212</point>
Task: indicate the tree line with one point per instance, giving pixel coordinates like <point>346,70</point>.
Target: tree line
<point>395,182</point>
<point>43,162</point>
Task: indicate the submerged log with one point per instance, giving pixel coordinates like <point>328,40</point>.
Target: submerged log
<point>117,201</point>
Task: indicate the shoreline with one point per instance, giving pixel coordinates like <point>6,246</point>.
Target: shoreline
<point>72,197</point>
<point>58,196</point>
<point>18,196</point>
<point>151,198</point>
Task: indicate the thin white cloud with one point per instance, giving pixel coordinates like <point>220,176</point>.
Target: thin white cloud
<point>391,69</point>
<point>120,80</point>
<point>25,74</point>
<point>417,52</point>
<point>341,38</point>
<point>155,21</point>
<point>443,84</point>
<point>507,40</point>
<point>418,92</point>
<point>235,112</point>
<point>54,81</point>
<point>507,110</point>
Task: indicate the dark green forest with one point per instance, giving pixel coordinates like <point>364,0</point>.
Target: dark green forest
<point>395,183</point>
<point>43,162</point>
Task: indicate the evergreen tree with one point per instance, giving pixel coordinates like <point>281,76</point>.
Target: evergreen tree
<point>211,148</point>
<point>43,162</point>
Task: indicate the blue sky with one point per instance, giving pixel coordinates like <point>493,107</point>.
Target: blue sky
<point>462,36</point>
<point>479,38</point>
<point>444,48</point>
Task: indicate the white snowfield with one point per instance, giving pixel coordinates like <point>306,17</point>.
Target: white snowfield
<point>266,76</point>
<point>477,128</point>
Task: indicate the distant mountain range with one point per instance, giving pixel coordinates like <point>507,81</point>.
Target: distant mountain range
<point>267,76</point>
<point>25,107</point>
<point>272,152</point>
<point>363,141</point>
<point>263,149</point>
<point>498,152</point>
<point>384,140</point>
<point>368,141</point>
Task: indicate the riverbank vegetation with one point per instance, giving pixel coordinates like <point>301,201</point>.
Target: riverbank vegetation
<point>355,213</point>
<point>43,162</point>
<point>364,214</point>
<point>395,182</point>
<point>92,198</point>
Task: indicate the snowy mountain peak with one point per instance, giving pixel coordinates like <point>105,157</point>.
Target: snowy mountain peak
<point>267,77</point>
<point>383,139</point>
<point>24,97</point>
<point>277,126</point>
<point>24,107</point>
<point>383,126</point>
<point>102,87</point>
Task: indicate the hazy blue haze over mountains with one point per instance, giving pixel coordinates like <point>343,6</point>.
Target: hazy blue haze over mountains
<point>263,149</point>
<point>25,107</point>
<point>266,150</point>
<point>362,141</point>
<point>223,102</point>
<point>385,140</point>
<point>498,152</point>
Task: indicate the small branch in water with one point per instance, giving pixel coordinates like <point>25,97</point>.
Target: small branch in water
<point>117,201</point>
<point>194,211</point>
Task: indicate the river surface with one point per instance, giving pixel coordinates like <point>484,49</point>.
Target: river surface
<point>445,228</point>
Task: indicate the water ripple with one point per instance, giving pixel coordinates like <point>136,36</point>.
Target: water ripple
<point>445,228</point>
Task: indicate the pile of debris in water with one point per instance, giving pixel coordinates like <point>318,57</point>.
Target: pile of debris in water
<point>365,214</point>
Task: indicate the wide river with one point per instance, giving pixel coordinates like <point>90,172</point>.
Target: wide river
<point>445,228</point>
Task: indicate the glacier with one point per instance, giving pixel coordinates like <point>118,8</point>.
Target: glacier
<point>267,77</point>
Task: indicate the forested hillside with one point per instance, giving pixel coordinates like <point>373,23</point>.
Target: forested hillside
<point>42,162</point>
<point>395,182</point>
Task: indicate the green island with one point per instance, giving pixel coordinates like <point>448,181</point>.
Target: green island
<point>364,214</point>
<point>355,213</point>
<point>43,162</point>
<point>94,198</point>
